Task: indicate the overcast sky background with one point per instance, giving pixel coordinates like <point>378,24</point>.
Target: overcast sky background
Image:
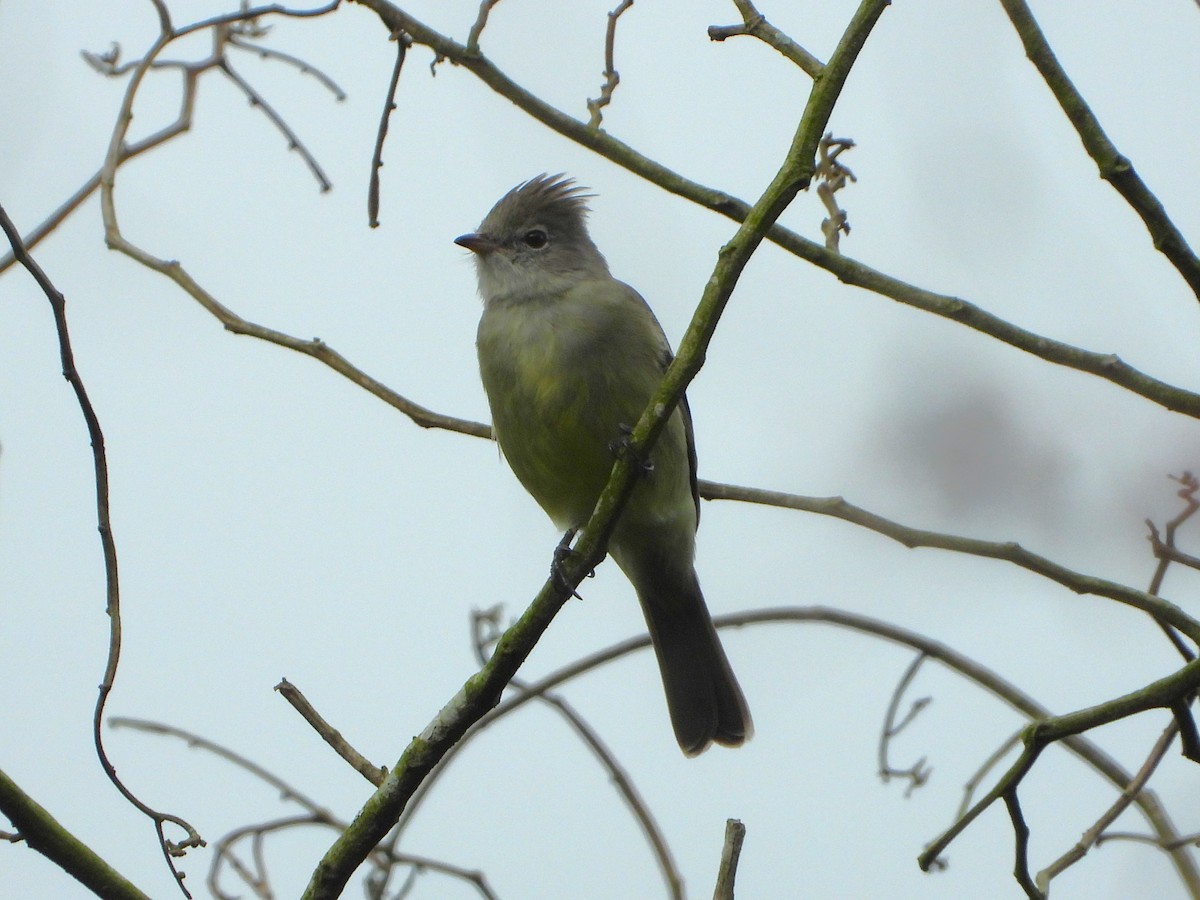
<point>273,520</point>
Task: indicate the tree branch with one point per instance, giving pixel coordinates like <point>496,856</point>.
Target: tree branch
<point>756,25</point>
<point>42,832</point>
<point>1114,168</point>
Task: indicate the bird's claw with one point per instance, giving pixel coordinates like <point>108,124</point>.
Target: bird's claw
<point>622,447</point>
<point>562,553</point>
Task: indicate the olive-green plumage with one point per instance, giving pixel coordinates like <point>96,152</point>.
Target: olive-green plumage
<point>570,357</point>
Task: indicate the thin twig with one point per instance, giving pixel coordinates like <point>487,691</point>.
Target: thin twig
<point>1114,168</point>
<point>485,8</point>
<point>329,734</point>
<point>1091,837</point>
<point>1009,551</point>
<point>304,66</point>
<point>611,76</point>
<point>286,790</point>
<point>1192,840</point>
<point>293,141</point>
<point>403,41</point>
<point>58,304</point>
<point>731,851</point>
<point>756,25</point>
<point>109,64</point>
<point>1163,550</point>
<point>918,773</point>
<point>1021,841</point>
<point>986,766</point>
<point>486,630</point>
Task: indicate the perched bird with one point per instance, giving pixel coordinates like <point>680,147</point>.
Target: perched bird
<point>569,358</point>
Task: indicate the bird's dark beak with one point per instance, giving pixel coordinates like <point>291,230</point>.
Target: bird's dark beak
<point>476,243</point>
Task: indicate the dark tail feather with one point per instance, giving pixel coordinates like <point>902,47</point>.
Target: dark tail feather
<point>703,696</point>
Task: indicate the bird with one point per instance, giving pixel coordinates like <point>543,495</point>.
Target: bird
<point>569,358</point>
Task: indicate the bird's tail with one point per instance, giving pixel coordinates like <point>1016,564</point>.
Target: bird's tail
<point>703,696</point>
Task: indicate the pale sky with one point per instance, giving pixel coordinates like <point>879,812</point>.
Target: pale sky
<point>273,520</point>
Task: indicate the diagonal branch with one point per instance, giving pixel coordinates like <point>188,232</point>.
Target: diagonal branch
<point>1114,168</point>
<point>43,833</point>
<point>1091,837</point>
<point>756,25</point>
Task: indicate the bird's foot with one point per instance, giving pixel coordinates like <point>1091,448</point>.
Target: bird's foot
<point>562,553</point>
<point>622,447</point>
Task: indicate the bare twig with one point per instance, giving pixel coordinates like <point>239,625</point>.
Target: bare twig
<point>248,13</point>
<point>1189,738</point>
<point>1021,841</point>
<point>1163,551</point>
<point>303,65</point>
<point>293,141</point>
<point>988,764</point>
<point>58,304</point>
<point>109,64</point>
<point>1009,551</point>
<point>918,773</point>
<point>315,814</point>
<point>403,42</point>
<point>1192,840</point>
<point>735,835</point>
<point>756,25</point>
<point>1092,835</point>
<point>831,177</point>
<point>286,790</point>
<point>611,76</point>
<point>1114,168</point>
<point>485,8</point>
<point>329,734</point>
<point>486,630</point>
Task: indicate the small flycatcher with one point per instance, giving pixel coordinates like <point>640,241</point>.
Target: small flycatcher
<point>569,358</point>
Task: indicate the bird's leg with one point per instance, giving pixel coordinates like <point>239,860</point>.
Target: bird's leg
<point>622,447</point>
<point>562,553</point>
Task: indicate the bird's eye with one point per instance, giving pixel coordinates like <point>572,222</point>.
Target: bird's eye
<point>536,238</point>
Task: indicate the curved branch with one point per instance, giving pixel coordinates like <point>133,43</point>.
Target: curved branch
<point>1156,816</point>
<point>108,546</point>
